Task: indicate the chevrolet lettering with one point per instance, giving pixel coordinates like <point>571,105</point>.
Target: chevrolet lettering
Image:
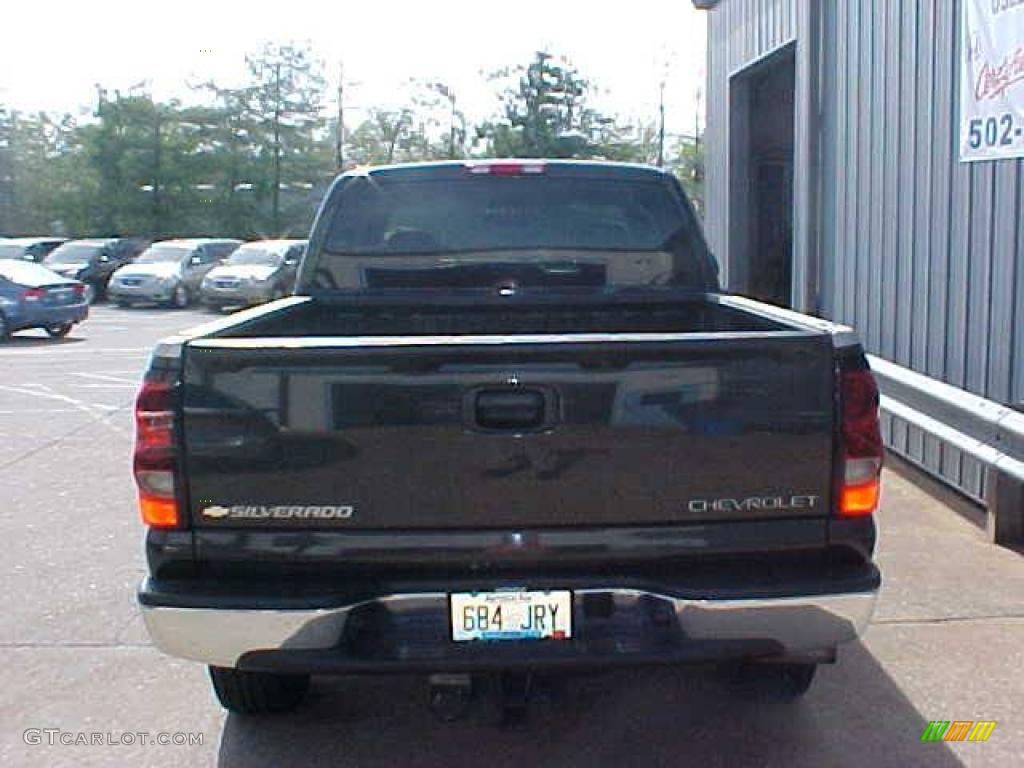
<point>754,503</point>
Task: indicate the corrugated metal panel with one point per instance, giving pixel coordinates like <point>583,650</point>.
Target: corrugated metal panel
<point>917,164</point>
<point>874,32</point>
<point>895,180</point>
<point>924,255</point>
<point>806,159</point>
<point>900,262</point>
<point>943,29</point>
<point>1005,208</point>
<point>834,116</point>
<point>860,107</point>
<point>1017,326</point>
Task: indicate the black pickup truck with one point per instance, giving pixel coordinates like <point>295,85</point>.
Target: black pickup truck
<point>508,423</point>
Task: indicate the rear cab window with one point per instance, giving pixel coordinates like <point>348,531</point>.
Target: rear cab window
<point>453,227</point>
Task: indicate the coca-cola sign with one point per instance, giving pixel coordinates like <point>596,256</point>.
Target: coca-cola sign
<point>992,80</point>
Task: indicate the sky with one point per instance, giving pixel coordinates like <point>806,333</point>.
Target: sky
<point>54,52</point>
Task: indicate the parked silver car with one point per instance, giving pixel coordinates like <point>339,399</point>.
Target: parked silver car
<point>169,272</point>
<point>256,272</point>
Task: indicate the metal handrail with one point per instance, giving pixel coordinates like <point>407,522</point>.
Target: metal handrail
<point>989,431</point>
<point>986,430</point>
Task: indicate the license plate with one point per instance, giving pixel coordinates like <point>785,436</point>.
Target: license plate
<point>511,615</point>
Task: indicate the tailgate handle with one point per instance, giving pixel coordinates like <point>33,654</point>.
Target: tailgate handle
<point>510,408</point>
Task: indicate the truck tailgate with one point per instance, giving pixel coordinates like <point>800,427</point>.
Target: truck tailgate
<point>522,431</point>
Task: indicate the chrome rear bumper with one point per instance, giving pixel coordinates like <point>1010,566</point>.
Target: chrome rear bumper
<point>762,627</point>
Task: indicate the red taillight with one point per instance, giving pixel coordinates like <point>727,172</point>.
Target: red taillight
<point>505,168</point>
<point>862,444</point>
<point>33,294</point>
<point>154,454</point>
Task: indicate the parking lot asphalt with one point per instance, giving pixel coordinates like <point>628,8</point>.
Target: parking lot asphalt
<point>947,642</point>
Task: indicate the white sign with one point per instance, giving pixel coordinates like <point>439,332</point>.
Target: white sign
<point>992,80</point>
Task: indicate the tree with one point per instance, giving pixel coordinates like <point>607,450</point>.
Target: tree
<point>546,113</point>
<point>395,136</point>
<point>283,108</point>
<point>43,181</point>
<point>7,186</point>
<point>687,162</point>
<point>254,160</point>
<point>224,159</point>
<point>438,102</point>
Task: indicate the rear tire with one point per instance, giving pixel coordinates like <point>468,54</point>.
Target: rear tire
<point>5,330</point>
<point>179,297</point>
<point>786,681</point>
<point>58,331</point>
<point>257,693</point>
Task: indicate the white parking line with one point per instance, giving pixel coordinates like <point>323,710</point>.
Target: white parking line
<point>22,411</point>
<point>47,394</point>
<point>106,378</point>
<point>63,353</point>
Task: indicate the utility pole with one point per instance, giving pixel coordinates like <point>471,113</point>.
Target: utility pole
<point>339,136</point>
<point>156,173</point>
<point>661,125</point>
<point>277,148</point>
<point>696,124</point>
<point>451,127</point>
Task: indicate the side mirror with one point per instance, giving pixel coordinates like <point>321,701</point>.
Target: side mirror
<point>195,261</point>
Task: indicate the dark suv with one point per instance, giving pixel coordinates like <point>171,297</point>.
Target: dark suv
<point>94,261</point>
<point>28,248</point>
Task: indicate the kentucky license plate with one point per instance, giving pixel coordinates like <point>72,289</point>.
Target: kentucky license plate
<point>511,615</point>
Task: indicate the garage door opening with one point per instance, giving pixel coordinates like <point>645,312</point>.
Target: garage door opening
<point>761,179</point>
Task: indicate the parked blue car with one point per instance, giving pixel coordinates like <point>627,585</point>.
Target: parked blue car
<point>32,296</point>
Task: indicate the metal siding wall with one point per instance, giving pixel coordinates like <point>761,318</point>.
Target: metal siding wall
<point>925,254</point>
<point>950,300</point>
